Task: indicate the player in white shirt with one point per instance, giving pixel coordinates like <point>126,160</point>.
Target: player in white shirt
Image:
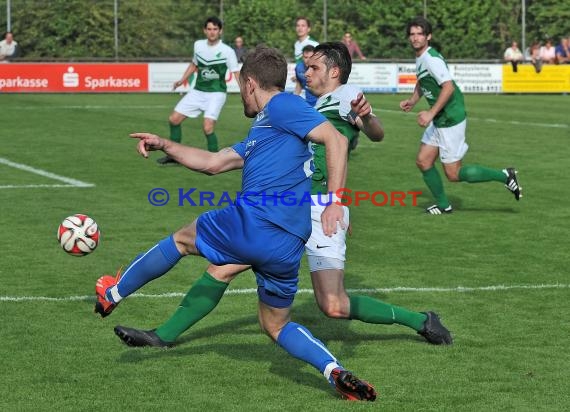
<point>303,28</point>
<point>212,60</point>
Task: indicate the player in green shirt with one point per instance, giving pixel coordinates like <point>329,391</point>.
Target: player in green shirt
<point>212,60</point>
<point>302,29</point>
<point>445,124</point>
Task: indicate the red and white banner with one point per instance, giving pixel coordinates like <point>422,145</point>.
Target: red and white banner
<point>371,77</point>
<point>73,77</point>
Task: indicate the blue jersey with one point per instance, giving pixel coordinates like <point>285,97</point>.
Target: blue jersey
<point>278,163</point>
<point>300,70</point>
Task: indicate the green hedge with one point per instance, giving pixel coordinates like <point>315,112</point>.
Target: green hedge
<point>80,29</point>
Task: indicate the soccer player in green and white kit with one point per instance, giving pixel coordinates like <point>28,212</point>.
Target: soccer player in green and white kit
<point>302,29</point>
<point>445,124</point>
<point>212,59</point>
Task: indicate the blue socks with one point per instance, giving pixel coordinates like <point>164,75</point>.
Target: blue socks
<point>144,268</point>
<point>301,344</point>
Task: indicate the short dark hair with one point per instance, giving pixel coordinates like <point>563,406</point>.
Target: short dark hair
<point>267,66</point>
<point>308,48</point>
<point>303,18</point>
<point>215,21</point>
<point>421,22</point>
<point>336,54</point>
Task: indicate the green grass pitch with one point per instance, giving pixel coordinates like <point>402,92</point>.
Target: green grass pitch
<point>510,322</point>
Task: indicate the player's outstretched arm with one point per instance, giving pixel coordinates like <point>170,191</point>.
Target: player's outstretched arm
<point>195,159</point>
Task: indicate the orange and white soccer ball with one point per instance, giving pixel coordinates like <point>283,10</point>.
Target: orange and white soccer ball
<point>78,235</point>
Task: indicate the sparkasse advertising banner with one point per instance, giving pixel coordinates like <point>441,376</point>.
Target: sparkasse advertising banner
<point>73,77</point>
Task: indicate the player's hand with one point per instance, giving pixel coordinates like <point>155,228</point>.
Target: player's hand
<point>331,218</point>
<point>148,142</point>
<point>360,107</point>
<point>177,84</point>
<point>406,105</point>
<point>424,118</point>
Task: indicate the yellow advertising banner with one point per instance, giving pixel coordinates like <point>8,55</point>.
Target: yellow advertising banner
<point>551,79</point>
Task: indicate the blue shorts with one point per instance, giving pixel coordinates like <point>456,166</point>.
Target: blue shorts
<point>237,235</point>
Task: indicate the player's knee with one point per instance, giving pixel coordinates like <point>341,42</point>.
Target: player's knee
<point>225,273</point>
<point>208,129</point>
<point>185,240</point>
<point>452,175</point>
<point>423,164</point>
<point>183,246</point>
<point>334,308</point>
<point>270,330</point>
<point>174,119</point>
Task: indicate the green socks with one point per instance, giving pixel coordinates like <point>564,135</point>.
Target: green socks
<point>176,136</point>
<point>212,142</point>
<point>467,173</point>
<point>175,133</point>
<point>476,174</point>
<point>200,300</point>
<point>435,185</point>
<point>370,310</point>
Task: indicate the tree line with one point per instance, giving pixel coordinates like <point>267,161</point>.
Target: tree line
<point>167,29</point>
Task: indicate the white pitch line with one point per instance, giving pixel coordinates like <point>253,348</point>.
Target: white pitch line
<point>153,107</point>
<point>459,289</point>
<point>34,186</point>
<point>92,107</point>
<point>491,120</point>
<point>519,123</point>
<point>44,173</point>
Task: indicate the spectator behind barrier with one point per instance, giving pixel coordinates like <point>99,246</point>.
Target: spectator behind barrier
<point>513,55</point>
<point>240,49</point>
<point>563,51</point>
<point>534,56</point>
<point>8,48</point>
<point>352,46</point>
<point>547,53</point>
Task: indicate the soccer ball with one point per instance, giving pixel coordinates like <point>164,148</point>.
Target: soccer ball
<point>78,235</point>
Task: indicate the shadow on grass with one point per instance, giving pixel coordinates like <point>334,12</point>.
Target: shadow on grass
<point>305,312</point>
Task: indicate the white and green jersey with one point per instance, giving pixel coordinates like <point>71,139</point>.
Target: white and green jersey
<point>213,63</point>
<point>299,47</point>
<point>335,106</point>
<point>431,72</point>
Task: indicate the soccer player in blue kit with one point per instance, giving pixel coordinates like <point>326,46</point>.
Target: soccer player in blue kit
<point>267,230</point>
